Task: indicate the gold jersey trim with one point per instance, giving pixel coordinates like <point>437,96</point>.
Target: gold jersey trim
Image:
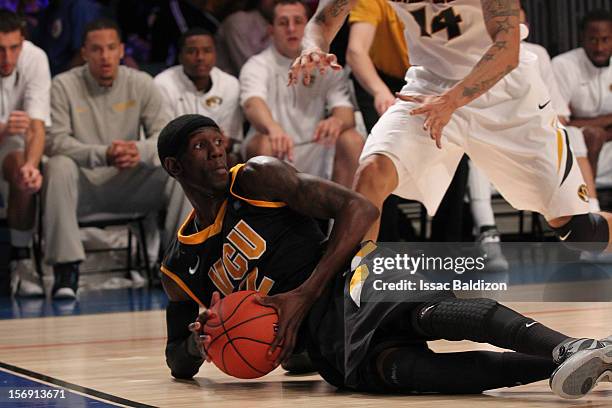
<point>201,236</point>
<point>257,203</point>
<point>182,284</point>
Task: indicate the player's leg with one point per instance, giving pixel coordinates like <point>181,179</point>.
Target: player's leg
<point>417,370</point>
<point>21,213</point>
<point>485,229</point>
<point>528,158</point>
<point>399,157</point>
<point>346,158</point>
<point>485,321</point>
<point>582,361</point>
<point>480,200</point>
<point>576,138</point>
<point>568,213</point>
<point>376,179</point>
<point>595,138</point>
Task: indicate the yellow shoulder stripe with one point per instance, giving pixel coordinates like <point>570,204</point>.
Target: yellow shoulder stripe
<point>257,203</point>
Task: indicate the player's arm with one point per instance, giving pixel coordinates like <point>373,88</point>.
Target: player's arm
<point>259,115</point>
<point>273,180</point>
<point>361,38</point>
<point>183,354</point>
<point>35,142</point>
<point>502,21</point>
<point>328,130</point>
<point>29,174</point>
<point>318,35</point>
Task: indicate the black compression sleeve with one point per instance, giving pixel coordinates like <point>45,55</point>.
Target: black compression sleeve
<point>182,354</point>
<point>407,370</point>
<point>486,321</point>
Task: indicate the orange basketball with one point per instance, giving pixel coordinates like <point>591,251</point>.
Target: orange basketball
<point>241,333</point>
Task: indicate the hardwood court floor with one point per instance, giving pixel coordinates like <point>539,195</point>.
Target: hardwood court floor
<point>121,354</point>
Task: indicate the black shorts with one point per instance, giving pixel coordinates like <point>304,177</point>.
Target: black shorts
<point>343,339</point>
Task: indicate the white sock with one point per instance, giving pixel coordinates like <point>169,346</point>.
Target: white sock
<point>482,213</point>
<point>20,238</point>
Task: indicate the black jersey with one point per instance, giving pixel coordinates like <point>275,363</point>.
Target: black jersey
<point>252,245</point>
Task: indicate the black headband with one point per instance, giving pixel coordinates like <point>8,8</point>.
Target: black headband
<point>176,134</point>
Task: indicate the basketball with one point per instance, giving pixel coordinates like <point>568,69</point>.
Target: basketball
<point>241,333</point>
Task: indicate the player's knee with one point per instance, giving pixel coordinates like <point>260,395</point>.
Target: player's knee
<point>376,174</point>
<point>61,170</point>
<point>591,228</point>
<point>11,165</point>
<point>349,144</point>
<point>455,319</point>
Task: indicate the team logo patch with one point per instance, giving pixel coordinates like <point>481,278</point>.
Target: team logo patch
<point>213,101</point>
<point>360,271</point>
<point>357,281</point>
<point>583,193</point>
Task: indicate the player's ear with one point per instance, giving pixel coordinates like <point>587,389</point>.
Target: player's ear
<point>173,166</point>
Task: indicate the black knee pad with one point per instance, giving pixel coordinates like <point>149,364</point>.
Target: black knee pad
<point>585,228</point>
<point>457,319</point>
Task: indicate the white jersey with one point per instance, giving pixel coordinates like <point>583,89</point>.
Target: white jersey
<point>220,103</point>
<point>447,38</point>
<point>298,110</point>
<point>27,88</point>
<point>558,101</point>
<point>587,88</point>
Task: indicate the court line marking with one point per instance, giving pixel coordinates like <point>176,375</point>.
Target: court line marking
<point>79,343</point>
<point>78,389</point>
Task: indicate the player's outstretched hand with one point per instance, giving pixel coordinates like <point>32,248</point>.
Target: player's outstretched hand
<point>309,60</point>
<point>291,308</point>
<point>197,328</point>
<point>437,109</point>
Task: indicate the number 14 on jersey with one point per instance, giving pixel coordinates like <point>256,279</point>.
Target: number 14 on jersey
<point>445,20</point>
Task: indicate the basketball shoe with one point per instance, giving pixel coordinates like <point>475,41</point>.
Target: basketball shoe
<point>24,279</point>
<point>582,364</point>
<point>489,242</point>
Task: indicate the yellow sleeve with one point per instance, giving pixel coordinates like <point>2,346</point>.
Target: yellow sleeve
<point>369,11</point>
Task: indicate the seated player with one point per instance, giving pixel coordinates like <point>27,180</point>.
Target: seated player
<point>253,228</point>
<point>24,91</point>
<point>97,160</point>
<point>314,127</point>
<point>198,86</point>
<point>586,75</point>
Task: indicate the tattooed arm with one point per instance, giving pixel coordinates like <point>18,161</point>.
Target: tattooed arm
<point>269,179</point>
<point>318,35</point>
<point>502,21</point>
<point>327,20</point>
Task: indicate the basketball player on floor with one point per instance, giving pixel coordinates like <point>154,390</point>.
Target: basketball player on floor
<point>253,228</point>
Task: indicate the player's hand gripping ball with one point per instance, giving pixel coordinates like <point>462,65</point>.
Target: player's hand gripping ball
<point>241,332</point>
